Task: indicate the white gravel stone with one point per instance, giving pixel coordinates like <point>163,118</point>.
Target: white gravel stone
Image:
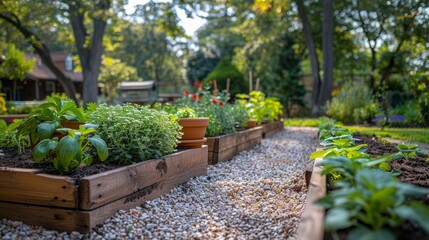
<point>259,194</point>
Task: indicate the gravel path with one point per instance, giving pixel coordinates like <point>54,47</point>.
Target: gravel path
<point>259,194</point>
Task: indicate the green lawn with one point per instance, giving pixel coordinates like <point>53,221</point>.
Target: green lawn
<point>302,122</point>
<point>412,134</point>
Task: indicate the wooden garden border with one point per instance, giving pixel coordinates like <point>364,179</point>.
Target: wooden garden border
<point>269,129</point>
<point>225,147</point>
<point>313,217</point>
<point>57,202</point>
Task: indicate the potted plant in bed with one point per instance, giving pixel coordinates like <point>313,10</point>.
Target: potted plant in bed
<point>193,128</point>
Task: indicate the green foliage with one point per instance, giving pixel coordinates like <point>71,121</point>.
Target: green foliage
<point>15,66</point>
<point>373,201</point>
<point>186,113</point>
<point>412,112</point>
<point>46,118</point>
<point>73,150</point>
<point>134,133</point>
<point>302,122</point>
<point>261,109</point>
<point>112,72</point>
<point>9,137</point>
<point>410,151</point>
<point>353,104</point>
<point>410,134</point>
<point>224,70</point>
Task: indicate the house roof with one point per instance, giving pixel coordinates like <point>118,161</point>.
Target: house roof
<point>42,72</point>
<point>136,85</point>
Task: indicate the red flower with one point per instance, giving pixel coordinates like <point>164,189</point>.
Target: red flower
<point>186,92</point>
<point>200,98</point>
<point>215,92</point>
<point>211,81</point>
<point>195,84</point>
<point>200,84</point>
<point>221,104</point>
<point>194,96</point>
<point>11,120</point>
<point>214,100</point>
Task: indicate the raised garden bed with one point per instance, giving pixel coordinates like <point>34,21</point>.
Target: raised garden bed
<point>11,117</point>
<point>225,147</point>
<point>60,203</point>
<point>269,129</point>
<point>412,171</point>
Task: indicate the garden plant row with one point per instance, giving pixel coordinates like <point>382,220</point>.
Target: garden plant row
<point>361,195</point>
<point>137,143</point>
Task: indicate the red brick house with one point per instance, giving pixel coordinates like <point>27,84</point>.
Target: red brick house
<point>40,81</point>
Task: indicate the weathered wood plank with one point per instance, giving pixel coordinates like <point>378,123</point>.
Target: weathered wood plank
<point>100,189</point>
<point>48,217</point>
<point>311,225</point>
<point>99,215</point>
<point>27,186</point>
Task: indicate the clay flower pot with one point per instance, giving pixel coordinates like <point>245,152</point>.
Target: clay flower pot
<point>251,123</point>
<point>193,130</point>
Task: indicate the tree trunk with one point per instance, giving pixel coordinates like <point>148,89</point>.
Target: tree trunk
<point>328,51</point>
<point>373,68</point>
<point>312,54</point>
<point>90,56</point>
<point>42,50</point>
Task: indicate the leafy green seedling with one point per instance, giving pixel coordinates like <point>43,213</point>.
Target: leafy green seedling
<point>72,150</point>
<point>410,151</point>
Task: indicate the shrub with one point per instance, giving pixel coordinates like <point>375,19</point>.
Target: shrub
<point>134,133</point>
<point>261,109</point>
<point>353,104</point>
<point>9,137</point>
<point>411,111</point>
<point>224,70</point>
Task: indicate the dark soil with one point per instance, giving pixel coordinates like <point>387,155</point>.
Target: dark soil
<point>414,171</point>
<point>9,157</point>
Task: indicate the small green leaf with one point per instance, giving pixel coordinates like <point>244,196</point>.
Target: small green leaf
<point>46,129</point>
<point>337,218</point>
<point>42,149</point>
<point>317,154</point>
<point>101,147</point>
<point>67,149</point>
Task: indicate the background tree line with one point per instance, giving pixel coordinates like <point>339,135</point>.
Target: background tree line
<point>279,41</point>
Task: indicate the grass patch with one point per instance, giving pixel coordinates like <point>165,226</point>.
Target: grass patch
<point>412,134</point>
<point>302,122</point>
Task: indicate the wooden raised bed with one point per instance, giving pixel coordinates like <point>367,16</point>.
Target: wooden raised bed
<point>269,129</point>
<point>225,147</point>
<point>57,202</point>
<point>313,217</point>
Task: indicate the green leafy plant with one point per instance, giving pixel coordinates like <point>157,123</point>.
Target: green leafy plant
<point>354,152</point>
<point>372,203</point>
<point>186,113</point>
<point>73,150</point>
<point>9,137</point>
<point>410,151</point>
<point>134,133</point>
<point>47,117</point>
<point>261,109</point>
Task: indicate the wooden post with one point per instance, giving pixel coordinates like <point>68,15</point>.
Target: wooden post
<point>215,84</point>
<point>227,85</point>
<point>36,88</point>
<point>257,85</point>
<point>250,81</point>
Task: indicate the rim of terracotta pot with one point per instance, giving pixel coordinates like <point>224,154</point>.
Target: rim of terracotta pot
<point>194,122</point>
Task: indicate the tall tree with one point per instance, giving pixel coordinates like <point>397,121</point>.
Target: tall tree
<point>328,51</point>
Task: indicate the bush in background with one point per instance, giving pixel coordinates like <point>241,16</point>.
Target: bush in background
<point>353,104</point>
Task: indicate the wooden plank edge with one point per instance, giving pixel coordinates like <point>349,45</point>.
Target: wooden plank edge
<point>312,221</point>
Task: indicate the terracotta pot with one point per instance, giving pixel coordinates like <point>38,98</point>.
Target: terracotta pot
<point>193,130</point>
<point>251,123</point>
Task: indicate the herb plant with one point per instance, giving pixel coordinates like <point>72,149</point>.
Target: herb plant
<point>72,150</point>
<point>261,109</point>
<point>186,113</point>
<point>134,133</point>
<point>47,117</point>
<point>9,137</point>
